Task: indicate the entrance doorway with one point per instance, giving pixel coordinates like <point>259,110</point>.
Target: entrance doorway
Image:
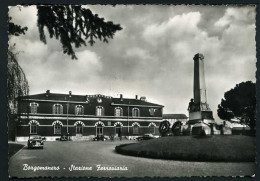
<point>79,130</point>
<point>99,130</point>
<point>118,130</point>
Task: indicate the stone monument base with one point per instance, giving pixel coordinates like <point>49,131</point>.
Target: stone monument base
<point>202,123</point>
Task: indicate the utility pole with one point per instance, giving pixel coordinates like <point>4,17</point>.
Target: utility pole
<point>128,119</point>
<point>67,116</point>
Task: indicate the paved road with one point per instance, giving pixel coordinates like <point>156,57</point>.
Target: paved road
<point>91,154</point>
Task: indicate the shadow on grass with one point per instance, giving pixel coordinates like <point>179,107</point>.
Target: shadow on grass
<point>13,148</point>
<point>202,137</point>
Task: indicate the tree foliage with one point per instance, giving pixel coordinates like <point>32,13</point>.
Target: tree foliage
<point>239,103</point>
<point>73,25</point>
<point>17,85</point>
<point>14,29</point>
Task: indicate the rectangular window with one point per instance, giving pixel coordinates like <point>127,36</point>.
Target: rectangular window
<point>99,111</point>
<point>33,108</point>
<point>118,112</point>
<point>57,109</point>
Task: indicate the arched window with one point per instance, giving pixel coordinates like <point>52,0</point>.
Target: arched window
<point>135,126</point>
<point>118,111</point>
<point>100,111</point>
<point>57,128</point>
<point>135,129</point>
<point>99,129</point>
<point>118,128</point>
<point>79,127</point>
<point>57,109</point>
<point>152,127</point>
<point>135,112</point>
<point>79,110</point>
<point>33,107</point>
<point>33,126</point>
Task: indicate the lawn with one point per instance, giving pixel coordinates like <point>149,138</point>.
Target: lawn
<point>225,148</point>
<point>13,148</point>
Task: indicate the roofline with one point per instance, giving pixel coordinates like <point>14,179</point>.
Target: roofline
<point>132,105</point>
<point>82,102</point>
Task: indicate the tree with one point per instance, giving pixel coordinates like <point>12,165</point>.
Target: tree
<point>72,25</point>
<point>17,85</point>
<point>240,103</point>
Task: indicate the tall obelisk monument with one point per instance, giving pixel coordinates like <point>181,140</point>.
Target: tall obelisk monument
<point>199,86</point>
<point>199,110</point>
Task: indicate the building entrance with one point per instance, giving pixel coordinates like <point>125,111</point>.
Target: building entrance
<point>79,130</point>
<point>118,130</point>
<point>99,130</point>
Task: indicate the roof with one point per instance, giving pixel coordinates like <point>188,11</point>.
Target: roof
<point>86,98</point>
<point>127,101</point>
<point>174,116</point>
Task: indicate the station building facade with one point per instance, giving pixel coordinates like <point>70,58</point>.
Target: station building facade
<point>84,116</point>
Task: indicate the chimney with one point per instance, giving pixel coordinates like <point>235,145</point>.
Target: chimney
<point>47,93</point>
<point>121,97</point>
<point>70,93</point>
<point>136,97</point>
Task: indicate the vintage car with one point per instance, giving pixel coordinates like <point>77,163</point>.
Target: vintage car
<point>100,138</point>
<point>146,137</point>
<point>35,141</point>
<point>64,138</point>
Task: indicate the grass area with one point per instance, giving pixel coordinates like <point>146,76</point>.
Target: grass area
<point>225,148</point>
<point>13,148</point>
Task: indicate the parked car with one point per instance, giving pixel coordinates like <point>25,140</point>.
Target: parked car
<point>100,138</point>
<point>36,141</point>
<point>145,137</point>
<point>64,138</point>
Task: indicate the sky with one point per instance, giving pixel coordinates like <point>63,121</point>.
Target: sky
<point>152,56</point>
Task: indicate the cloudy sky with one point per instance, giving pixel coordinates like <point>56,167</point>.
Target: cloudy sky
<point>152,56</point>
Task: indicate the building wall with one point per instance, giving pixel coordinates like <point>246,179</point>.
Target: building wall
<point>45,119</point>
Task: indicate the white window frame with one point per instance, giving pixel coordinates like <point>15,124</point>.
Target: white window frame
<point>120,109</point>
<point>100,126</point>
<point>77,108</point>
<point>133,112</point>
<point>33,107</point>
<point>36,128</point>
<point>101,112</point>
<point>82,128</point>
<point>54,127</point>
<point>54,109</point>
